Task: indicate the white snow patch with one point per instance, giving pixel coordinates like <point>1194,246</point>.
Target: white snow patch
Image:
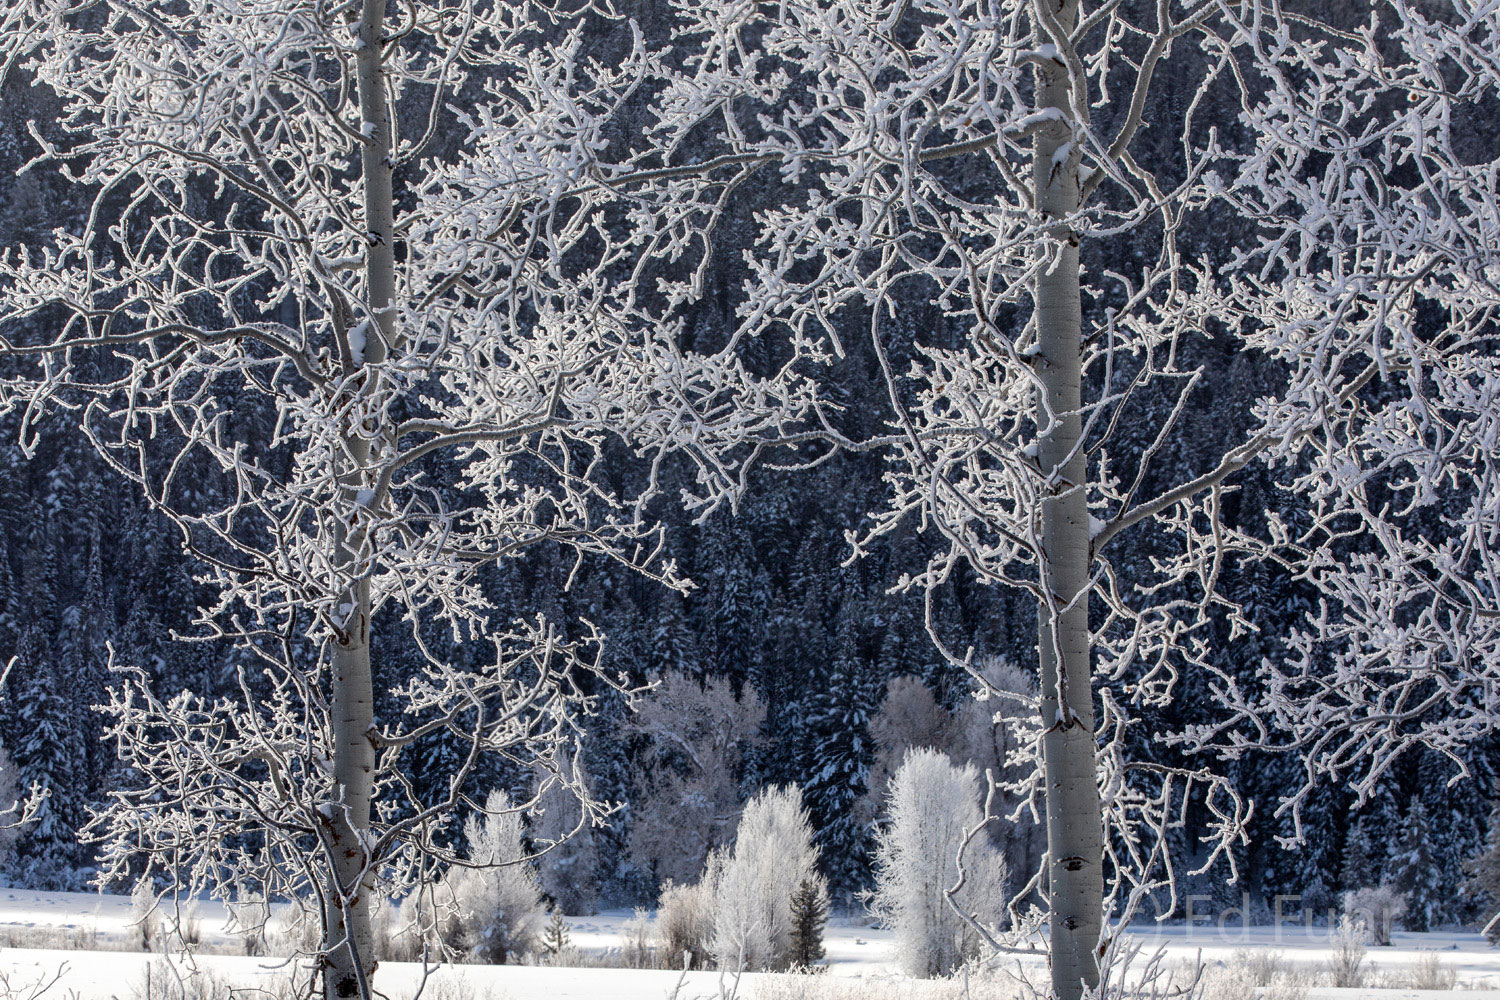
<point>854,949</point>
<point>359,337</point>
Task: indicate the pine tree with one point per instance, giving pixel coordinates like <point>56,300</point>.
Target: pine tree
<point>809,915</point>
<point>837,754</point>
<point>1359,864</point>
<point>45,754</point>
<point>1459,825</point>
<point>1414,870</point>
<point>556,939</point>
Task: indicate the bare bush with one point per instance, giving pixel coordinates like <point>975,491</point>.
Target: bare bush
<point>685,917</point>
<point>564,839</point>
<point>297,931</point>
<point>249,917</point>
<point>184,924</point>
<point>1346,963</point>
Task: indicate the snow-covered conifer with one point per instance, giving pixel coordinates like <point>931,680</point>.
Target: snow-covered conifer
<point>809,915</point>
<point>836,752</point>
<point>562,836</point>
<point>1484,875</point>
<point>1414,871</point>
<point>1360,868</point>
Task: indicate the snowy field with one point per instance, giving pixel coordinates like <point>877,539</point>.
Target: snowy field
<point>87,937</point>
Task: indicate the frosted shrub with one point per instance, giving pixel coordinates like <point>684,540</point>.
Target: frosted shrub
<point>163,980</point>
<point>249,916</point>
<point>399,929</point>
<point>1346,963</point>
<point>145,915</point>
<point>636,951</point>
<point>685,917</point>
<point>1429,972</point>
<point>496,909</point>
<point>298,931</point>
<point>932,805</point>
<point>1375,910</point>
<point>1251,974</point>
<point>773,855</point>
<point>184,923</point>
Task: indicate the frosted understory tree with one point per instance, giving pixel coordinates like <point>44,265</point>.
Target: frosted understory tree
<point>489,906</point>
<point>772,858</point>
<point>688,775</point>
<point>345,311</point>
<point>910,718</point>
<point>935,816</point>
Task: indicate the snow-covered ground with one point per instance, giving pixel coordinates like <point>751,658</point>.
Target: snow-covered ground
<point>92,930</point>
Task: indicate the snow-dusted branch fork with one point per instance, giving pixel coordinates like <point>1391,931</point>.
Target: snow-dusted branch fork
<point>345,312</point>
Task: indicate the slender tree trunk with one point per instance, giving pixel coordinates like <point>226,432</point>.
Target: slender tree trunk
<point>349,945</point>
<point>1075,839</point>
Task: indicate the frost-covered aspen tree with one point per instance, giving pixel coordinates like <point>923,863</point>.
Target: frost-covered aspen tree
<point>346,311</point>
<point>974,161</point>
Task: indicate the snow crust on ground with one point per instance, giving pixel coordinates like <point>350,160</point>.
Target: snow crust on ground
<point>853,950</point>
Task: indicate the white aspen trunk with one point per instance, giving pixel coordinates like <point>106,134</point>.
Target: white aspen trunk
<point>349,946</point>
<point>1075,836</point>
